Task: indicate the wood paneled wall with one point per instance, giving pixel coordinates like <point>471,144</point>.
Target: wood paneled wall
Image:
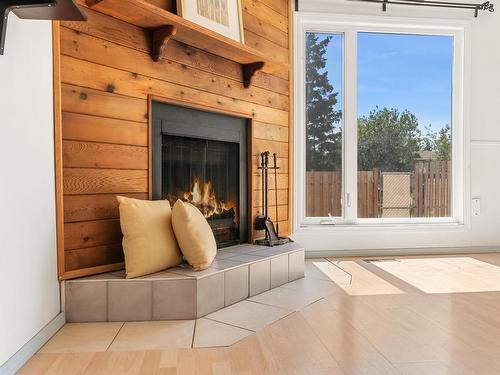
<point>106,75</point>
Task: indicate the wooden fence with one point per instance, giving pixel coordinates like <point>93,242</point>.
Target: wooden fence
<point>430,186</point>
<point>432,189</point>
<point>324,192</point>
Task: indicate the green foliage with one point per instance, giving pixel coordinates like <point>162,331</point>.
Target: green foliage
<point>388,140</point>
<point>324,139</point>
<point>440,142</point>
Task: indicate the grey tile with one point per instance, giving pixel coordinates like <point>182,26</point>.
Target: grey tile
<point>174,299</point>
<point>279,271</point>
<point>165,275</point>
<point>210,294</point>
<point>86,301</point>
<point>82,338</point>
<point>223,264</point>
<point>314,288</point>
<point>235,285</point>
<point>242,249</point>
<point>296,265</point>
<point>209,333</point>
<point>278,250</point>
<point>249,315</point>
<point>247,258</point>
<point>291,299</point>
<point>221,254</point>
<point>187,271</point>
<point>260,277</point>
<point>270,251</point>
<point>147,336</point>
<point>130,300</point>
<point>292,246</point>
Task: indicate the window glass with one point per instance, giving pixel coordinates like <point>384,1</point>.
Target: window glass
<point>404,125</point>
<point>323,114</point>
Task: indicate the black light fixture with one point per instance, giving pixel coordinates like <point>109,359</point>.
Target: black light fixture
<point>38,10</point>
<point>476,7</point>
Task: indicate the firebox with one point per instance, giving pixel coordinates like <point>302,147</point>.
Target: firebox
<point>201,158</point>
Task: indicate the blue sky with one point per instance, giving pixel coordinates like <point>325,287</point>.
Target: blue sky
<point>411,72</point>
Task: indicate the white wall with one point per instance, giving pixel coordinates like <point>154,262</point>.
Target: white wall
<point>482,162</point>
<point>29,289</point>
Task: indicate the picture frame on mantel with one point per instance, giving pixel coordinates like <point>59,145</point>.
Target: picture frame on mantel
<point>221,16</point>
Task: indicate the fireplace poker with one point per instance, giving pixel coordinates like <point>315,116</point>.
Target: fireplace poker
<point>260,221</point>
<point>265,173</point>
<point>276,194</point>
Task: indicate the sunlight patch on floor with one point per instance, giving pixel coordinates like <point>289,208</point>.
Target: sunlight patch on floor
<point>445,275</point>
<point>354,279</point>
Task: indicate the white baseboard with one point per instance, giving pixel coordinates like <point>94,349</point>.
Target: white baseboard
<point>399,252</point>
<point>22,356</point>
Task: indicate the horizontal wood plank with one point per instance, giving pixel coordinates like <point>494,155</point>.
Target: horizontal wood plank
<point>93,256</point>
<point>266,14</point>
<point>79,127</point>
<point>280,6</point>
<point>98,181</point>
<point>269,132</point>
<point>261,145</point>
<point>78,154</point>
<point>94,207</point>
<point>266,46</point>
<point>265,30</point>
<point>99,103</point>
<point>80,272</point>
<point>91,233</point>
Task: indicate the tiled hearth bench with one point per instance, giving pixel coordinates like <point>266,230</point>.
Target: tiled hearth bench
<point>180,293</point>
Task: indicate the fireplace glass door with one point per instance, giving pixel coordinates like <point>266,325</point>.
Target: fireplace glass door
<point>206,174</point>
<point>202,157</point>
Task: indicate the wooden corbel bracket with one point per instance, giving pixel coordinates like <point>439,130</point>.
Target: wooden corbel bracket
<point>249,71</point>
<point>160,40</point>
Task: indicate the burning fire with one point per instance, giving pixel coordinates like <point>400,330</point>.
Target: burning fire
<point>203,197</point>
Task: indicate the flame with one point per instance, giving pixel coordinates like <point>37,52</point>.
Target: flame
<point>202,195</point>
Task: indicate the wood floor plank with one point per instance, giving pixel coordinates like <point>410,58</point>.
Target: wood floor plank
<point>354,353</point>
<point>284,341</point>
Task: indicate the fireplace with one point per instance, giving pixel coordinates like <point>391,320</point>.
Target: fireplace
<point>201,157</point>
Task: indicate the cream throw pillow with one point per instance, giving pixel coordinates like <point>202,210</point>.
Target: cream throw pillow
<point>194,235</point>
<point>149,243</point>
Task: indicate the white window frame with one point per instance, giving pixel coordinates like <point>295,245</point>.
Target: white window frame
<point>349,26</point>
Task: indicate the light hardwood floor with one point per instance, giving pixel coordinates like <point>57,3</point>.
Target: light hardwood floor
<point>383,317</point>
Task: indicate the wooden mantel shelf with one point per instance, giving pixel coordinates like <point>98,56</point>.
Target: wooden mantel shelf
<point>166,25</point>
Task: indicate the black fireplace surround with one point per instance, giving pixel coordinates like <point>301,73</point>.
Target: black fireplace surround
<point>202,157</point>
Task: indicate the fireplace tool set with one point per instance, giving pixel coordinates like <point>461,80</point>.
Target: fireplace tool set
<point>263,222</point>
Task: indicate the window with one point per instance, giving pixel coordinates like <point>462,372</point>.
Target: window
<point>323,109</point>
<point>378,121</point>
<point>404,95</point>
